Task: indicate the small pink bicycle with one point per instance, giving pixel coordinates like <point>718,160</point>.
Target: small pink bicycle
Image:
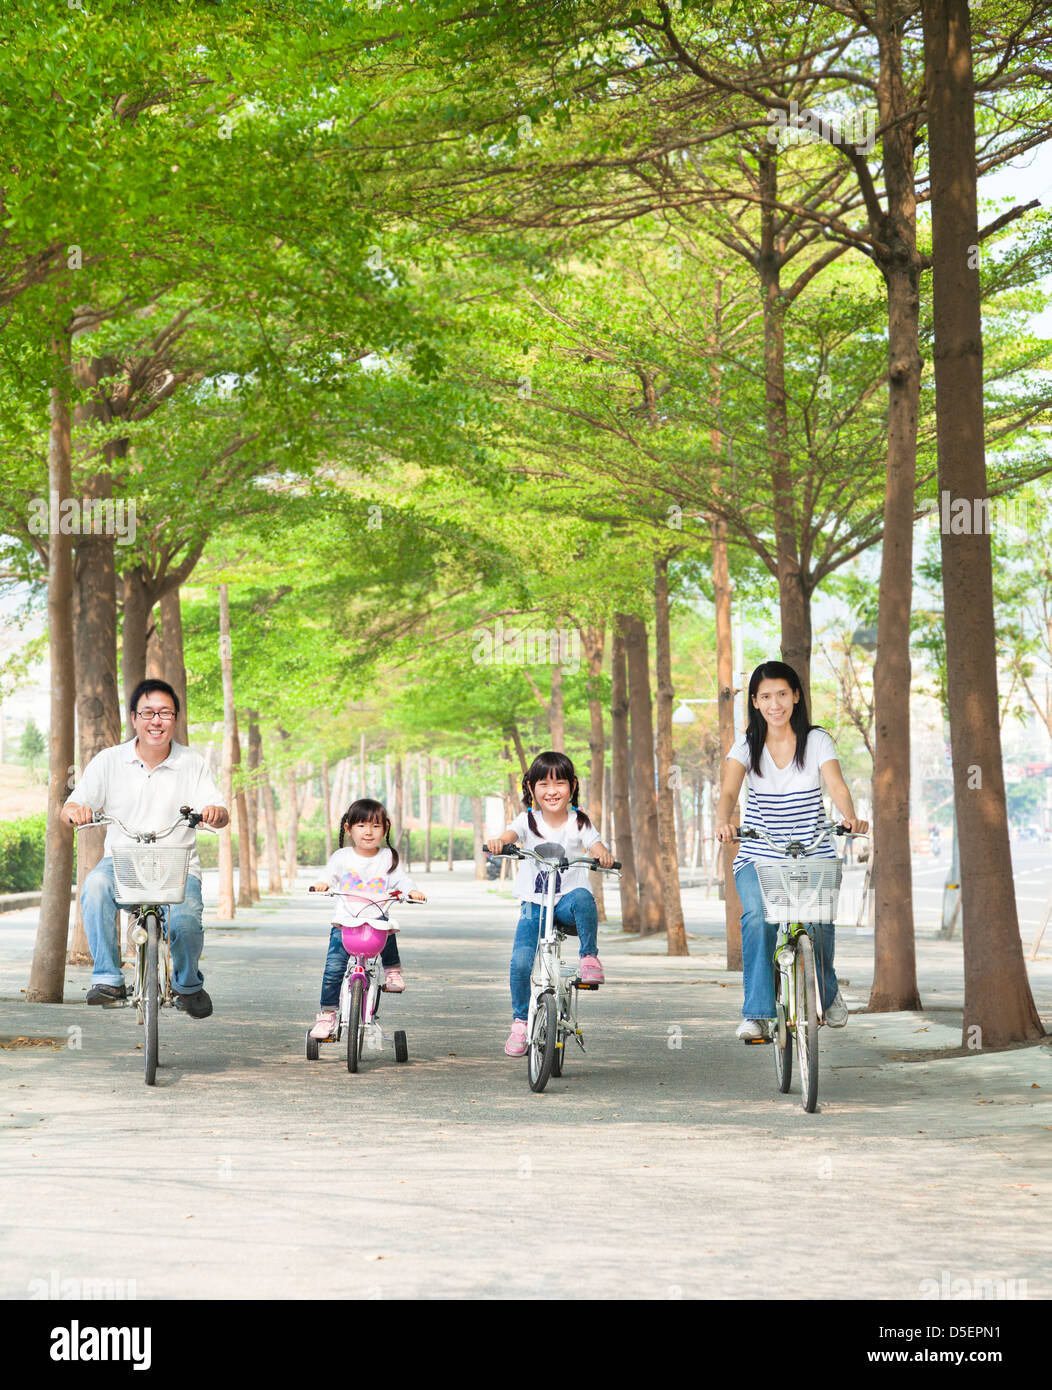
<point>362,985</point>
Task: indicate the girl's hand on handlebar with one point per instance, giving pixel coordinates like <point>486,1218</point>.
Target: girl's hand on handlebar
<point>496,845</point>
<point>322,886</point>
<point>604,859</point>
<point>855,826</point>
<point>726,833</point>
<point>416,896</point>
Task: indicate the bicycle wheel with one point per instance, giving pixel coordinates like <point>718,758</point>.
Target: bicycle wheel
<point>401,1047</point>
<point>355,1027</point>
<point>312,1048</point>
<point>152,995</point>
<point>783,1039</point>
<point>540,1048</point>
<point>562,1042</point>
<point>806,1022</point>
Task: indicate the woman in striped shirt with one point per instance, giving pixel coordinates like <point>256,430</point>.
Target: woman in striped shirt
<point>787,758</point>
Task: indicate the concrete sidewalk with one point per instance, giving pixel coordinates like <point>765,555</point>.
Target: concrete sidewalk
<point>664,1163</point>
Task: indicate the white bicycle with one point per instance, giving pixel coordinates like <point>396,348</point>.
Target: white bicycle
<point>552,1019</point>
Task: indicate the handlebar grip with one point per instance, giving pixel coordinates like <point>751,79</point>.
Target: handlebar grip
<point>616,864</point>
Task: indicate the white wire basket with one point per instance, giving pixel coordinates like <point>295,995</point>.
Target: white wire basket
<point>154,874</point>
<point>800,890</point>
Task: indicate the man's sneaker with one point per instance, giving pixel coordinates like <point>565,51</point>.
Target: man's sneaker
<point>836,1015</point>
<point>323,1025</point>
<point>516,1044</point>
<point>393,982</point>
<point>197,1005</point>
<point>106,995</point>
<point>591,971</point>
<point>752,1029</point>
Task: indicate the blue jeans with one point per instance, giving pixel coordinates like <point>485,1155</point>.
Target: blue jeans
<point>186,935</point>
<point>574,909</point>
<point>758,938</point>
<point>336,965</point>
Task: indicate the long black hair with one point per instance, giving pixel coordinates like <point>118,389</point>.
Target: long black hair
<point>559,766</point>
<point>756,729</point>
<point>365,809</point>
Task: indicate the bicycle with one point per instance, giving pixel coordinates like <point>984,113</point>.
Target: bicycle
<point>552,1018</point>
<point>797,896</point>
<point>158,873</point>
<point>362,985</point>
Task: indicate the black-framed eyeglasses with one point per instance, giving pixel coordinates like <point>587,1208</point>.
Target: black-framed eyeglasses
<point>165,715</point>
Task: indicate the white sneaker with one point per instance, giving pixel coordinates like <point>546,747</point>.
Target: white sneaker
<point>837,1015</point>
<point>752,1029</point>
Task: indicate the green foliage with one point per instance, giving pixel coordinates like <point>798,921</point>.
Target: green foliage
<point>22,853</point>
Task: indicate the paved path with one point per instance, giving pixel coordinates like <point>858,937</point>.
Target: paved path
<point>663,1164</point>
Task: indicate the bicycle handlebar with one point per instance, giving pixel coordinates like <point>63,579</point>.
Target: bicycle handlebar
<point>514,852</point>
<point>147,837</point>
<point>752,832</point>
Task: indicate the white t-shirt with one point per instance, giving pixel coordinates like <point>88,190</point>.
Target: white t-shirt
<point>371,875</point>
<point>786,802</point>
<point>118,783</point>
<point>575,843</point>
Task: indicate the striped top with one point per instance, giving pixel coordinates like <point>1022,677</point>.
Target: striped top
<point>785,802</point>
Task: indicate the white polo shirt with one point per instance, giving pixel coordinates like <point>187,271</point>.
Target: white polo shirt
<point>118,783</point>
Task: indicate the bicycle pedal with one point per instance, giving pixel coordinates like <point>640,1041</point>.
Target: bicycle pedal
<point>580,984</point>
<point>754,1042</point>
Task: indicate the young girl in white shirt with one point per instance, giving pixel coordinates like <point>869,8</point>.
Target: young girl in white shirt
<point>787,758</point>
<point>550,793</point>
<point>369,866</point>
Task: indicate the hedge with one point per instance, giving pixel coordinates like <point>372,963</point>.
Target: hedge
<point>22,850</point>
<point>310,846</point>
<point>22,853</point>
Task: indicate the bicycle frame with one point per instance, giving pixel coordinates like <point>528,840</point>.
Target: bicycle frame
<point>548,975</point>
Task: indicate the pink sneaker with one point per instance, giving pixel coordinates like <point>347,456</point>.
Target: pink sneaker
<point>393,982</point>
<point>516,1044</point>
<point>591,971</point>
<point>324,1025</point>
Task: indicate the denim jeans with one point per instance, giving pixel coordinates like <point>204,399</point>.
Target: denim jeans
<point>186,936</point>
<point>758,938</point>
<point>336,965</point>
<point>574,909</point>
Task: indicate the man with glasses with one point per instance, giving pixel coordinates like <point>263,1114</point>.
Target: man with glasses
<point>144,783</point>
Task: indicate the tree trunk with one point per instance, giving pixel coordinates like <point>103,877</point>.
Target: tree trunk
<point>326,796</point>
<point>593,645</point>
<point>95,665</point>
<point>556,717</point>
<point>255,757</point>
<point>792,597</point>
<point>478,823</point>
<point>244,853</point>
<point>270,819</point>
<point>48,971</point>
<point>225,906</point>
<point>363,767</point>
<point>154,654</point>
<point>516,739</point>
<point>172,656</point>
<point>292,822</point>
<point>894,970</point>
<point>620,777</point>
<point>645,832</point>
<point>668,774</point>
<point>452,817</point>
<point>135,622</point>
<point>397,812</point>
<point>427,810</point>
<point>998,1005</point>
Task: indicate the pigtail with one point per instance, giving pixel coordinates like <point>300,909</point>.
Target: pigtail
<point>394,852</point>
<point>343,830</point>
